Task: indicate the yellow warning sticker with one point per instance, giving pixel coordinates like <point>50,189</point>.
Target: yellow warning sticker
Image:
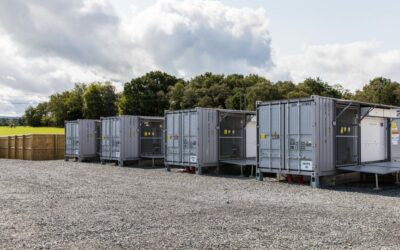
<point>263,136</point>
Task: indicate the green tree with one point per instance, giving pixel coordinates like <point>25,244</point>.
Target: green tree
<point>67,105</point>
<point>75,102</point>
<point>284,88</point>
<point>316,86</point>
<point>37,116</point>
<point>237,86</point>
<point>148,95</point>
<point>175,95</point>
<point>58,109</point>
<point>263,90</point>
<point>99,100</point>
<point>380,90</point>
<point>207,90</point>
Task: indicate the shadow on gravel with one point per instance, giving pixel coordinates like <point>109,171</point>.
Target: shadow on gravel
<point>365,188</point>
<point>386,183</point>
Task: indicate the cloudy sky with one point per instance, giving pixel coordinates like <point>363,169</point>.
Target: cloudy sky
<point>47,45</point>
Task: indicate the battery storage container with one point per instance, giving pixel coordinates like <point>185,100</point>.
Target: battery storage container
<point>318,136</point>
<point>203,137</point>
<point>82,139</point>
<point>131,138</point>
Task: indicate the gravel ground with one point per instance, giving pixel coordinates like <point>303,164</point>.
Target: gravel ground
<point>89,206</point>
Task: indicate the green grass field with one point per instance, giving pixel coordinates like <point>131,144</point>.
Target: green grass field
<point>5,130</point>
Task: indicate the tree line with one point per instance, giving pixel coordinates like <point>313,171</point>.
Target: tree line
<point>157,91</point>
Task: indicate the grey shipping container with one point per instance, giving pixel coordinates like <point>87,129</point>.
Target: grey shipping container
<point>203,137</point>
<point>82,139</point>
<point>130,138</point>
<point>320,136</point>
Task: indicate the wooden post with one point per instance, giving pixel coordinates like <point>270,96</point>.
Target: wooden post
<point>23,147</point>
<point>55,147</point>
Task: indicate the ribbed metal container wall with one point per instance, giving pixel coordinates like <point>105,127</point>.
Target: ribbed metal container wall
<point>203,137</point>
<point>296,137</point>
<point>192,137</point>
<point>120,138</point>
<point>126,138</point>
<point>82,138</point>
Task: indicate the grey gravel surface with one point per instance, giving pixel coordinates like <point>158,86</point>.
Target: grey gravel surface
<point>67,205</point>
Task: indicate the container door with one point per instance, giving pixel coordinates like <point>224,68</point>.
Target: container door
<point>106,138</point>
<point>374,139</point>
<point>98,138</point>
<point>68,138</point>
<point>173,138</point>
<point>72,139</point>
<point>88,143</point>
<point>251,138</point>
<point>115,138</point>
<point>189,140</point>
<point>271,138</point>
<point>76,142</point>
<point>299,136</point>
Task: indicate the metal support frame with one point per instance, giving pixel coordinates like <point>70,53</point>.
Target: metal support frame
<point>377,188</point>
<point>314,182</point>
<point>199,170</point>
<point>344,110</point>
<point>227,112</point>
<point>259,175</point>
<point>389,139</point>
<point>366,114</point>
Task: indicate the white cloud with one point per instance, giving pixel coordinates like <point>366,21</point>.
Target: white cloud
<point>351,65</point>
<point>48,45</point>
<point>190,37</point>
